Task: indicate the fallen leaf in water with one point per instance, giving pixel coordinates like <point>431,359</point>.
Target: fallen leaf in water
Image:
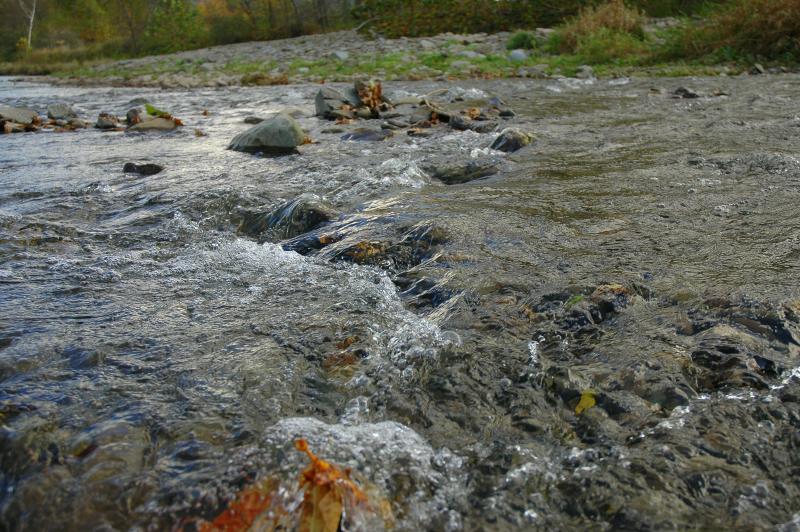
<point>587,401</point>
<point>244,510</point>
<point>327,488</point>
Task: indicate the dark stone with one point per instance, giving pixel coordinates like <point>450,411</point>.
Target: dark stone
<point>683,92</point>
<point>293,218</point>
<point>511,140</point>
<point>253,120</point>
<point>462,172</point>
<point>133,116</point>
<point>142,169</point>
<point>463,123</point>
<point>107,121</point>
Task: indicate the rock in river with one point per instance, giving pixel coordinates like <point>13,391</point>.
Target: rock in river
<point>154,124</point>
<point>278,135</point>
<point>142,169</point>
<point>60,111</point>
<point>454,173</point>
<point>288,220</point>
<point>106,121</point>
<point>328,101</point>
<point>18,115</point>
<point>511,140</point>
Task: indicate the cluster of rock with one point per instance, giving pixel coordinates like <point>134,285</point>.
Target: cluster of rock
<point>62,117</point>
<point>366,101</point>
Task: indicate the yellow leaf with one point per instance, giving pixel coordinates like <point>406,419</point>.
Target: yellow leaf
<point>587,401</point>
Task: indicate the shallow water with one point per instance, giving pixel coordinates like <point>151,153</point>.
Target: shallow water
<point>644,249</point>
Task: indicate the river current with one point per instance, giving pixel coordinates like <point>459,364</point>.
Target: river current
<point>644,251</point>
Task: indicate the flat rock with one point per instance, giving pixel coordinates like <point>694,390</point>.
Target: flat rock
<point>20,115</point>
<point>60,111</point>
<point>278,135</point>
<point>154,124</point>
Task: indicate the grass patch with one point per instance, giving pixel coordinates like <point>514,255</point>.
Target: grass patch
<point>611,18</point>
<point>522,39</point>
<point>743,30</point>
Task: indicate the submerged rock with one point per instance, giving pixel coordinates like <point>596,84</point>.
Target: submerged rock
<point>367,135</point>
<point>511,140</point>
<point>454,173</point>
<point>463,123</point>
<point>293,218</point>
<point>142,169</point>
<point>154,124</point>
<point>279,135</point>
<point>18,115</point>
<point>684,92</point>
<point>60,111</point>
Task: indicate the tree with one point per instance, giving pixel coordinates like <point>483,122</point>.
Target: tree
<point>30,13</point>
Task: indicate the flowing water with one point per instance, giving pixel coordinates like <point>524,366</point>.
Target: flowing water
<point>641,257</point>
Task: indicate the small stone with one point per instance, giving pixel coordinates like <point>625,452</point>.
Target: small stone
<point>133,116</point>
<point>253,120</point>
<point>511,140</point>
<point>454,173</point>
<point>341,55</point>
<point>518,56</point>
<point>683,92</point>
<point>107,121</point>
<point>584,72</point>
<point>757,69</point>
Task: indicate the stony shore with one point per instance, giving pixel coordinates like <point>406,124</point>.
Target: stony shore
<point>347,56</point>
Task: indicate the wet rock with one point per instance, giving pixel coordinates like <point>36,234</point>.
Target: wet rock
<point>367,135</point>
<point>80,358</point>
<point>154,124</point>
<point>328,102</point>
<point>341,55</point>
<point>684,92</point>
<point>296,217</point>
<point>511,140</point>
<point>12,127</point>
<point>253,120</point>
<point>134,116</point>
<point>60,111</point>
<point>107,121</point>
<point>454,173</point>
<point>464,123</point>
<point>18,115</point>
<point>278,135</point>
<point>757,69</point>
<point>142,169</point>
<point>77,123</point>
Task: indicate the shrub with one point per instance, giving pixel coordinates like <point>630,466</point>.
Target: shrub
<point>612,16</point>
<point>522,39</point>
<point>744,28</point>
<point>606,46</point>
<point>175,25</point>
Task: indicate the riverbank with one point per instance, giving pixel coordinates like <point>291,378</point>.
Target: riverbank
<point>347,56</point>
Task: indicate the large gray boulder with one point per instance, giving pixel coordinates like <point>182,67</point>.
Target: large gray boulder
<point>278,135</point>
<point>60,111</point>
<point>18,115</point>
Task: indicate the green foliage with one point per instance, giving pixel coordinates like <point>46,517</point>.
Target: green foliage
<point>175,25</point>
<point>607,46</point>
<point>522,39</point>
<point>611,17</point>
<point>428,17</point>
<point>742,30</point>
